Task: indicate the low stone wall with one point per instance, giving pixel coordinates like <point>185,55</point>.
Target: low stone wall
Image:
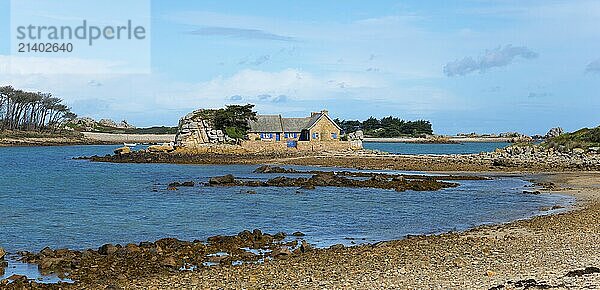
<point>130,138</point>
<point>308,146</point>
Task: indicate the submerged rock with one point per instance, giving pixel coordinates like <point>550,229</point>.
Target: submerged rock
<point>222,180</point>
<point>180,184</point>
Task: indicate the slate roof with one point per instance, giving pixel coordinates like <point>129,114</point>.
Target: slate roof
<point>276,123</point>
<point>266,123</point>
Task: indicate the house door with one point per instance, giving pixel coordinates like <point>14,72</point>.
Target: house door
<point>278,136</point>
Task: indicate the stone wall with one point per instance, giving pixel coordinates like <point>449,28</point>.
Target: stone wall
<point>325,127</point>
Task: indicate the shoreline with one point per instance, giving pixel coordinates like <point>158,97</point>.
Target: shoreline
<point>443,140</point>
<point>581,185</point>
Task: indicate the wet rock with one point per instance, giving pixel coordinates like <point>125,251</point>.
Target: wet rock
<point>47,252</point>
<point>273,169</point>
<point>279,236</point>
<point>17,277</point>
<point>298,234</point>
<point>107,249</point>
<point>337,247</point>
<point>2,254</point>
<point>305,247</point>
<point>222,180</point>
<point>250,191</point>
<point>531,192</point>
<point>581,272</point>
<point>308,187</point>
<point>172,188</point>
<point>180,184</point>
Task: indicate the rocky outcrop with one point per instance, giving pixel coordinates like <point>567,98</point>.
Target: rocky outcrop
<point>333,179</point>
<point>196,129</point>
<point>161,148</point>
<point>122,150</point>
<point>535,156</point>
<point>358,135</point>
<point>89,124</point>
<point>166,256</point>
<point>554,132</point>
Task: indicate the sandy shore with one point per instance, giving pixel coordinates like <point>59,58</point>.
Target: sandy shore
<point>444,139</point>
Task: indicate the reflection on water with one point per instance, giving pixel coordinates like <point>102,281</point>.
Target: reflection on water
<point>30,271</point>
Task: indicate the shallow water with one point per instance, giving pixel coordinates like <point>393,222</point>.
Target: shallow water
<point>414,148</point>
<point>48,199</point>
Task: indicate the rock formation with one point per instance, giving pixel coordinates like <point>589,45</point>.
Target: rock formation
<point>554,132</point>
<point>89,124</point>
<point>196,128</point>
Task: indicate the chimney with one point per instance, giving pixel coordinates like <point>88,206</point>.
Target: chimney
<point>325,112</point>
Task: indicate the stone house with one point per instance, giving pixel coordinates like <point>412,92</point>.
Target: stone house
<point>318,127</point>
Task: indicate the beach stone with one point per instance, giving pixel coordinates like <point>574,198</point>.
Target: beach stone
<point>281,251</point>
<point>279,236</point>
<point>459,262</point>
<point>107,249</point>
<point>169,262</point>
<point>305,247</point>
<point>16,277</point>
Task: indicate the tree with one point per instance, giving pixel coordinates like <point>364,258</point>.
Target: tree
<point>21,110</point>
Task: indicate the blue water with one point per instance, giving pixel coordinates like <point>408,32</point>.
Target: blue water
<point>48,199</point>
<point>413,148</point>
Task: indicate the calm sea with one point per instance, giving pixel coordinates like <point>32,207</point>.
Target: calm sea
<point>48,199</point>
<point>413,148</point>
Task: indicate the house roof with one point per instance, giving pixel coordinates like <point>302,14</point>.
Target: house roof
<point>295,124</point>
<point>266,123</point>
<point>276,123</point>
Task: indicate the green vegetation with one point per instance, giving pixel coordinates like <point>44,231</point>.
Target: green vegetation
<point>387,127</point>
<point>233,119</point>
<point>31,111</point>
<point>583,138</point>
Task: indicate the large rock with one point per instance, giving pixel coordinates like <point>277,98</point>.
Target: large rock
<point>554,132</point>
<point>196,129</point>
<point>161,148</point>
<point>222,180</point>
<point>122,150</point>
<point>358,135</point>
<point>2,254</point>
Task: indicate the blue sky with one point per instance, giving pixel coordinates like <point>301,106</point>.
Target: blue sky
<point>468,66</point>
